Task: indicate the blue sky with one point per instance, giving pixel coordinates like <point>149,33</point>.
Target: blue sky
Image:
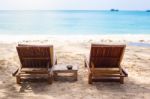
<point>74,4</point>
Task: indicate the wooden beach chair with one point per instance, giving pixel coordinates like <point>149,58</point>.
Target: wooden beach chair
<point>104,63</point>
<point>36,61</point>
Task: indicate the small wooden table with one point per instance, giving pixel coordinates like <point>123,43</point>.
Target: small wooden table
<point>62,68</point>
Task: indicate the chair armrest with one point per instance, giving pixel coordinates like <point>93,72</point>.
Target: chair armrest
<point>15,72</point>
<point>50,70</point>
<point>48,65</point>
<point>55,59</point>
<point>124,72</point>
<point>86,61</point>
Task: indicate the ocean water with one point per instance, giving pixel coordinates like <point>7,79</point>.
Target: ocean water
<point>70,22</point>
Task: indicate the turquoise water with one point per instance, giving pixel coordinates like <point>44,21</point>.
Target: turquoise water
<point>74,22</point>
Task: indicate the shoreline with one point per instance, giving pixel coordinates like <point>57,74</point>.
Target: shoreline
<point>112,37</point>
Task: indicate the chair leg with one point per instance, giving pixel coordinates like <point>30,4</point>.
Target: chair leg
<point>56,62</point>
<point>50,79</point>
<point>85,64</point>
<point>75,75</point>
<point>122,80</point>
<point>18,79</point>
<point>90,78</point>
<point>54,75</point>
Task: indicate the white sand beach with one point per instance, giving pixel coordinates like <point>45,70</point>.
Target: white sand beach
<point>71,50</point>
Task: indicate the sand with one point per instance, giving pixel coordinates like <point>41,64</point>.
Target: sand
<point>71,50</point>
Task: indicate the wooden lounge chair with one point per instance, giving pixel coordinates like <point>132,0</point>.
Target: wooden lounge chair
<point>104,63</point>
<point>36,61</point>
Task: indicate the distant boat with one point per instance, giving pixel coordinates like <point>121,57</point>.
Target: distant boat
<point>114,10</point>
<point>147,10</point>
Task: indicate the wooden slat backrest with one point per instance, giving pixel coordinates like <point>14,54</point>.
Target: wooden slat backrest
<point>35,56</point>
<point>106,56</point>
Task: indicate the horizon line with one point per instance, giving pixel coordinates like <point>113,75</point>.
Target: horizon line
<point>69,10</point>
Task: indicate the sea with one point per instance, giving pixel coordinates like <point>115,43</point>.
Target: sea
<point>73,22</point>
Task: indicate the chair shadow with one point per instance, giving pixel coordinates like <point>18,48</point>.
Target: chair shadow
<point>34,85</point>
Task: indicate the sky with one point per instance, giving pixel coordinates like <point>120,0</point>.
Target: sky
<point>74,4</point>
